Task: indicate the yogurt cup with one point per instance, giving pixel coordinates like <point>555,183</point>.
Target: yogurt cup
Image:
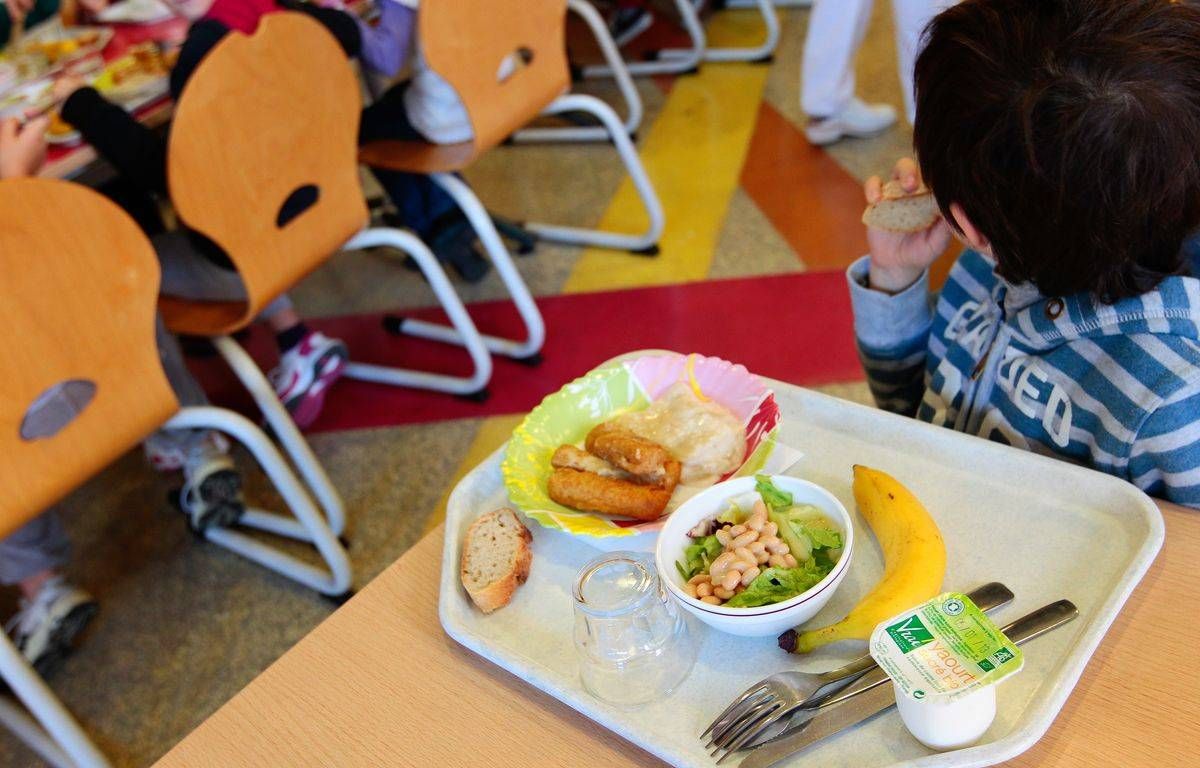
<point>945,658</point>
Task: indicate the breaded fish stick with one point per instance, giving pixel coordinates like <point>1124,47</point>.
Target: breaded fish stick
<point>627,451</point>
<point>588,492</point>
<point>570,457</point>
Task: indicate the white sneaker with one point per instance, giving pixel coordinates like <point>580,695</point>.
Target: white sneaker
<point>305,373</point>
<point>212,487</point>
<point>45,628</point>
<point>858,120</point>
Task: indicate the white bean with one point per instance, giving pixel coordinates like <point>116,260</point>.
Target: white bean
<point>699,578</point>
<point>743,555</point>
<point>723,537</point>
<point>704,589</point>
<point>777,547</point>
<point>720,566</point>
<point>758,519</point>
<point>770,529</point>
<point>723,593</point>
<point>777,561</point>
<point>744,540</point>
<point>749,575</point>
<point>737,530</point>
<point>690,588</point>
<point>790,559</point>
<point>732,579</point>
<point>762,557</point>
<point>711,600</point>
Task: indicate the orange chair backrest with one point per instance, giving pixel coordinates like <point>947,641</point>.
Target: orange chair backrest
<point>266,119</point>
<point>468,43</point>
<point>80,282</point>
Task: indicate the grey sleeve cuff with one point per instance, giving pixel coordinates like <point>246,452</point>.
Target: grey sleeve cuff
<point>883,321</point>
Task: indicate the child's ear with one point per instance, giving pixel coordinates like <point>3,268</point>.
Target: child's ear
<point>970,234</point>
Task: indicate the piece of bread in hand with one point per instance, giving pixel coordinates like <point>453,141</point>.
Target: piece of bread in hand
<point>899,211</point>
<point>495,558</point>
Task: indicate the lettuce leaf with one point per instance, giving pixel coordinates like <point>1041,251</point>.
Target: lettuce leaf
<point>775,499</point>
<point>698,556</point>
<point>774,585</point>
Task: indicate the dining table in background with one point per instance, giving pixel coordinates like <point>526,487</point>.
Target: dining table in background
<point>379,683</point>
<point>72,162</point>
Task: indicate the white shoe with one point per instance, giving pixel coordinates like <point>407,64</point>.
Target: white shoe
<point>858,120</point>
<point>304,374</point>
<point>212,488</point>
<point>45,628</point>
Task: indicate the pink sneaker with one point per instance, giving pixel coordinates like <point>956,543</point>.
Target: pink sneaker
<point>305,372</point>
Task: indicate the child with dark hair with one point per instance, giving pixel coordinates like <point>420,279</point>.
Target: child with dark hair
<point>1059,138</point>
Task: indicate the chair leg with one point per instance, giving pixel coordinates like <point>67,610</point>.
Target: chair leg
<point>485,228</point>
<point>461,332</point>
<point>777,3</point>
<point>760,53</point>
<point>620,73</point>
<point>674,65</point>
<point>646,242</point>
<point>55,736</point>
<point>334,581</point>
<point>285,430</point>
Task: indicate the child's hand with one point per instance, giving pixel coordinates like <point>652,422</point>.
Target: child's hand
<point>899,258</point>
<point>22,148</point>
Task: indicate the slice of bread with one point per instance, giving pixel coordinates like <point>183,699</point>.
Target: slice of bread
<point>899,211</point>
<point>495,558</point>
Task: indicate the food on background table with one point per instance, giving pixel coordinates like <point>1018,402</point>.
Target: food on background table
<point>58,48</point>
<point>495,558</point>
<point>900,211</point>
<point>703,435</point>
<point>58,127</point>
<point>914,561</point>
<point>769,553</point>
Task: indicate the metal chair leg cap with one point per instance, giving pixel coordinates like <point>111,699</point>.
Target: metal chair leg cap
<point>340,599</point>
<point>533,360</point>
<point>393,324</point>
<point>479,396</point>
<point>649,250</point>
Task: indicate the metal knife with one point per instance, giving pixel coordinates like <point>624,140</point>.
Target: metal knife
<point>879,699</point>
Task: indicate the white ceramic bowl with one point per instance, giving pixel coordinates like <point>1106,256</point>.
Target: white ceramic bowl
<point>764,620</point>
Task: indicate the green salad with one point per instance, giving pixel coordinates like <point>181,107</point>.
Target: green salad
<point>771,552</point>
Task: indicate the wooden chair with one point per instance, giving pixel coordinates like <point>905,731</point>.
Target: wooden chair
<point>676,61</point>
<point>507,61</point>
<point>268,125</point>
<point>83,385</point>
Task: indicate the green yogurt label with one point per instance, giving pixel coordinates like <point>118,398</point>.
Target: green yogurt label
<point>945,647</point>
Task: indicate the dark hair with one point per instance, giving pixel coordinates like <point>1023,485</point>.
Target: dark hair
<point>1069,132</point>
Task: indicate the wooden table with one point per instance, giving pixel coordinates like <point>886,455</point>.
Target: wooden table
<point>379,683</point>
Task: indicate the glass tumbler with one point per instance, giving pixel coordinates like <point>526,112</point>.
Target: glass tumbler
<point>632,640</point>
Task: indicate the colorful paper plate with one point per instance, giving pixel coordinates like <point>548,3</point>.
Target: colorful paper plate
<point>631,384</point>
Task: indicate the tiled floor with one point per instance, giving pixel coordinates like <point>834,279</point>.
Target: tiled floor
<point>760,226</point>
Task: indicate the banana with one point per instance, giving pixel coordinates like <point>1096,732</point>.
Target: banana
<point>914,561</point>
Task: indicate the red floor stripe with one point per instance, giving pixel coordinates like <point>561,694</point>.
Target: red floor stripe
<point>796,328</point>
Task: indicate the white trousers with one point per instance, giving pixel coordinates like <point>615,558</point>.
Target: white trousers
<point>835,32</point>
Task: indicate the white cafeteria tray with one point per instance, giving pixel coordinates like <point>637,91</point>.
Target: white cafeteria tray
<point>1046,528</point>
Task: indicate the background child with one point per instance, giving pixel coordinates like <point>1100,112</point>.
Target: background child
<point>1059,138</point>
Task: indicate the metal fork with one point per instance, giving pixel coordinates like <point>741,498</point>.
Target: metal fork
<point>763,705</point>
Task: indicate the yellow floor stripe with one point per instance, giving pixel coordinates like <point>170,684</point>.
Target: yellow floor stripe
<point>693,154</point>
<point>492,433</point>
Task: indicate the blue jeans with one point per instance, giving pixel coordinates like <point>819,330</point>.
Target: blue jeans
<point>418,199</point>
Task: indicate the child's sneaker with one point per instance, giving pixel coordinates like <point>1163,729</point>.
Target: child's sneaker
<point>627,23</point>
<point>305,372</point>
<point>45,628</point>
<point>858,120</point>
<point>212,488</point>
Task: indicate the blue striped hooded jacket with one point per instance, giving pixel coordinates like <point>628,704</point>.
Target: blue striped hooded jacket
<point>1115,387</point>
